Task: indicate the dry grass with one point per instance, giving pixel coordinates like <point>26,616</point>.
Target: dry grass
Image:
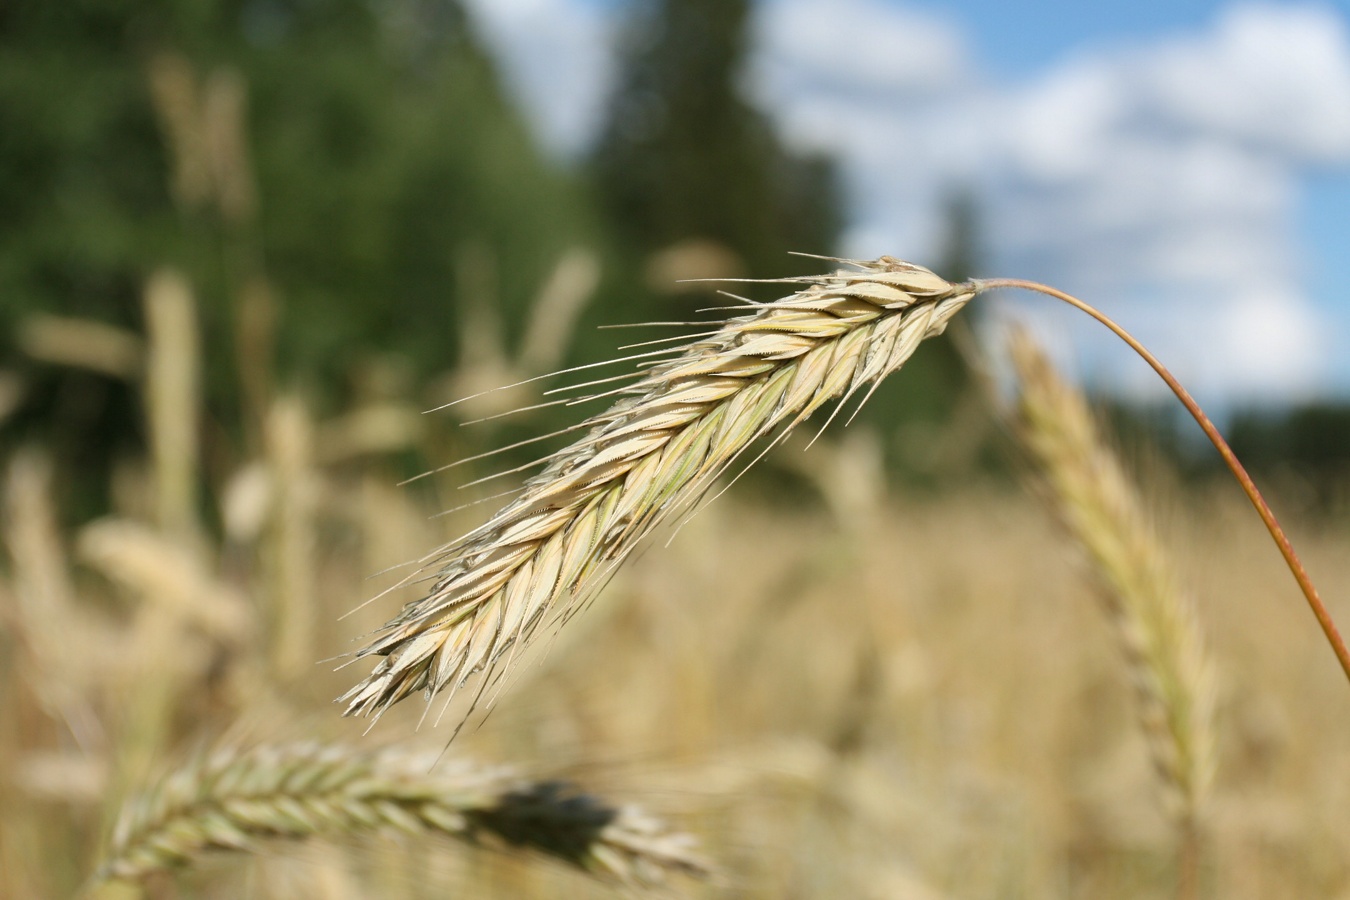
<point>904,698</point>
<point>881,706</point>
<point>650,457</point>
<point>173,362</point>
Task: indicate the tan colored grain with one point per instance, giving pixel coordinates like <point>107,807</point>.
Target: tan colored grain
<point>173,581</point>
<point>1154,616</point>
<point>649,457</point>
<point>224,117</point>
<point>44,618</point>
<point>233,800</point>
<point>293,544</point>
<point>82,343</point>
<point>172,394</point>
<point>175,94</point>
<point>553,317</point>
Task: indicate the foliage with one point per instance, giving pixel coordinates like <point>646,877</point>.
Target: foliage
<point>684,155</point>
<point>369,144</point>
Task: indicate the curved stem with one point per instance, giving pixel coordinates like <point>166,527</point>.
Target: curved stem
<point>1319,609</point>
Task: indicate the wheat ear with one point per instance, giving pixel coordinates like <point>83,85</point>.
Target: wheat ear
<point>682,423</point>
<point>233,799</point>
<point>1155,619</point>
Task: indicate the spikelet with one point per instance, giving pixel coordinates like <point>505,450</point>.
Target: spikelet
<point>652,455</point>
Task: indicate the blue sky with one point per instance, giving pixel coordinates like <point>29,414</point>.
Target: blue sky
<point>1325,227</point>
<point>1021,37</point>
<point>1017,39</point>
<point>1185,165</point>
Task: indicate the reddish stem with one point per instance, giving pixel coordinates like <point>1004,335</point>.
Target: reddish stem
<point>1319,609</point>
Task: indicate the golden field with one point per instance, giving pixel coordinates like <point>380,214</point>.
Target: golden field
<point>854,692</point>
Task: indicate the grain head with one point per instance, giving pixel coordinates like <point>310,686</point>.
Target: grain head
<point>682,423</point>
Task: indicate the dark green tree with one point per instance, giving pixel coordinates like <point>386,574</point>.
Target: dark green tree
<point>377,143</point>
<point>1308,444</point>
<point>684,155</point>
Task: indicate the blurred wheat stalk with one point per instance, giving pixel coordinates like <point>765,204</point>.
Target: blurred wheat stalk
<point>233,799</point>
<point>1155,619</point>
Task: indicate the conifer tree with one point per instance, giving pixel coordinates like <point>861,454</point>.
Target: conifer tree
<point>684,155</point>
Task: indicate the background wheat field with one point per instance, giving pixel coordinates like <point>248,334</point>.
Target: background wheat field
<point>854,692</point>
<point>953,650</point>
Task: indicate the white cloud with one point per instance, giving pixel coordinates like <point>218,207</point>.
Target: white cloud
<point>1161,179</point>
<point>885,48</point>
<point>1271,344</point>
<point>558,62</point>
<point>1060,128</point>
<point>881,87</point>
<point>1273,75</point>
